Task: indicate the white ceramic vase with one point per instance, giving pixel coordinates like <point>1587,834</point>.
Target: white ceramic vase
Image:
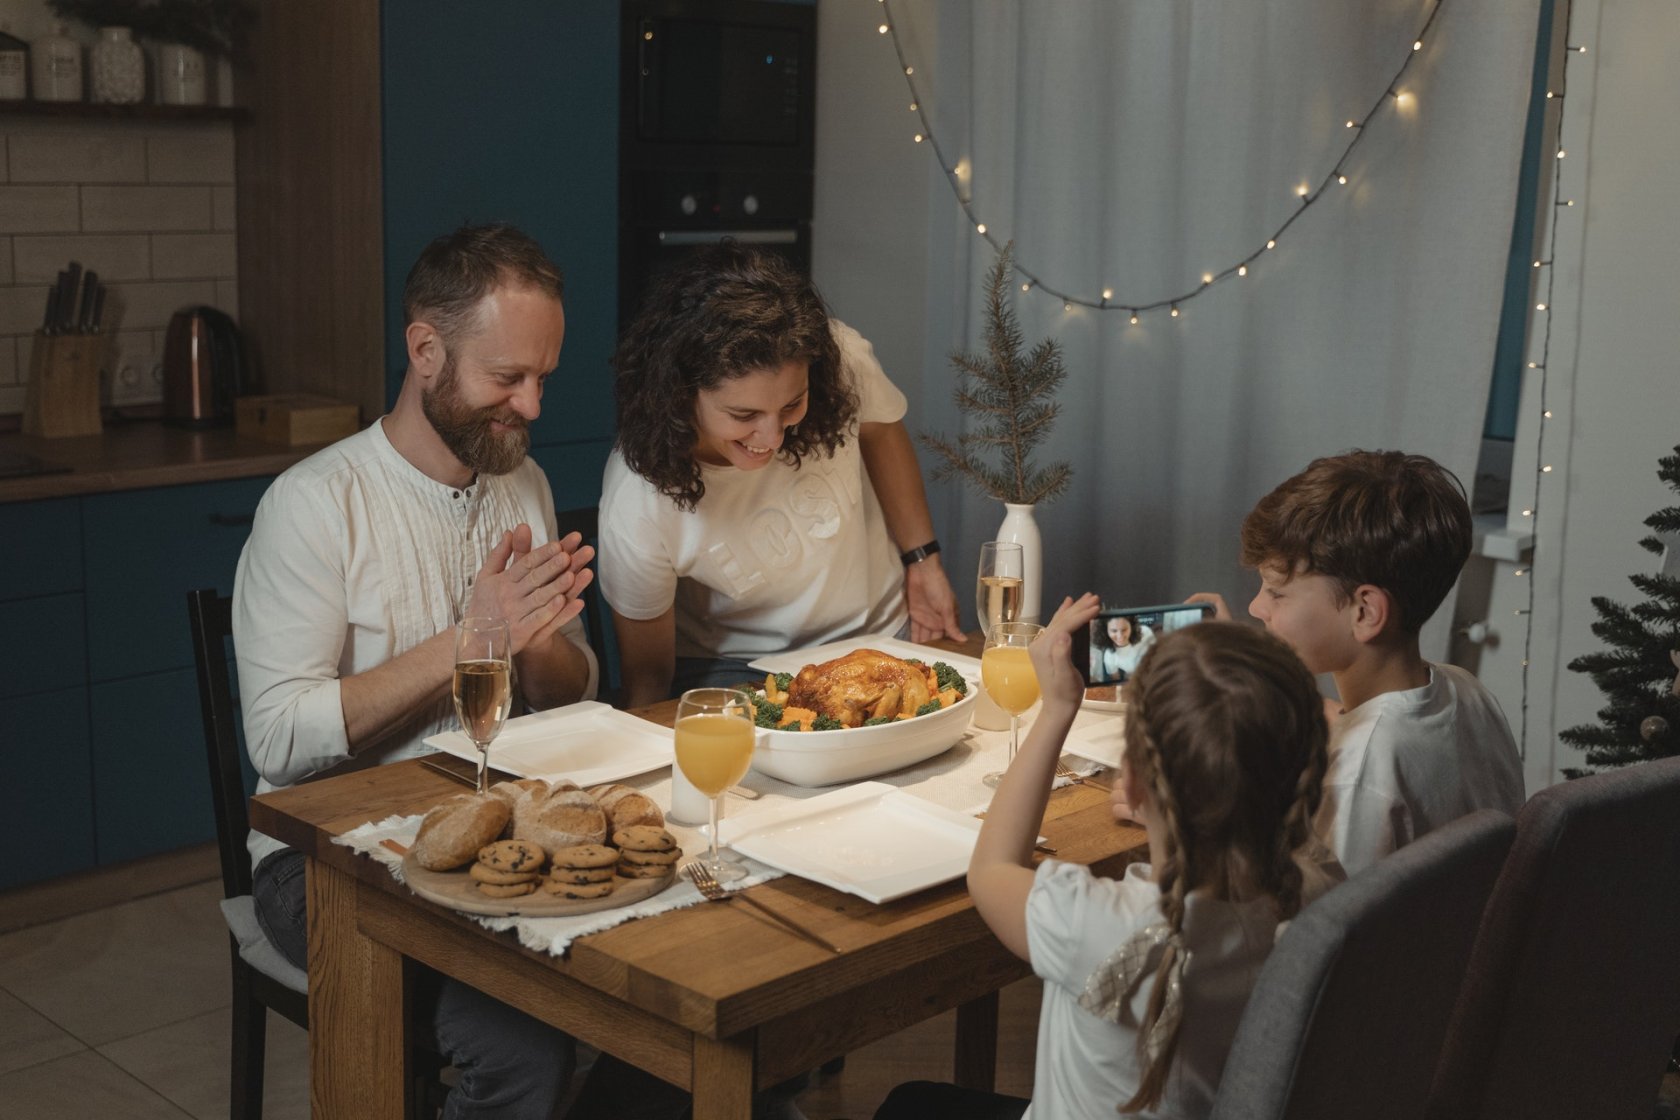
<point>119,68</point>
<point>180,75</point>
<point>1019,526</point>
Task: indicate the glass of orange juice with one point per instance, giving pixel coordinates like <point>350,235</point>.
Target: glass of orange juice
<point>1007,672</point>
<point>714,740</point>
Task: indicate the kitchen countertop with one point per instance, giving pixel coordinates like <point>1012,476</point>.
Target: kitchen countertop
<point>138,454</point>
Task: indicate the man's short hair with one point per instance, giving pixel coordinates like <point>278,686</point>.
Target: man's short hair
<point>456,271</point>
<point>1397,521</point>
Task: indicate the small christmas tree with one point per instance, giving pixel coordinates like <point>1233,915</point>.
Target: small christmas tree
<point>1637,676</point>
<point>1011,394</point>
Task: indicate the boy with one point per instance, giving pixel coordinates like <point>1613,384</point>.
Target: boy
<point>1354,555</point>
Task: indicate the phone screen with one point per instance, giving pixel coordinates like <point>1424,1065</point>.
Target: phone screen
<point>1118,639</point>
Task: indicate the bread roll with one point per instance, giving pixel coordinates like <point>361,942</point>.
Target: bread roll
<point>512,791</point>
<point>626,806</point>
<point>564,819</point>
<point>452,832</point>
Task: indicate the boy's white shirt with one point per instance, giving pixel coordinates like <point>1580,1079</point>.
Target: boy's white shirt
<point>1404,763</point>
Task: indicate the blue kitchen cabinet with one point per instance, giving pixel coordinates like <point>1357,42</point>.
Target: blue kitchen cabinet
<point>43,553</point>
<point>151,782</point>
<point>46,813</point>
<point>145,549</point>
<point>45,648</point>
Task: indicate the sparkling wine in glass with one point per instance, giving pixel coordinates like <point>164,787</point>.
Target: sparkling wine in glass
<point>1006,670</point>
<point>998,587</point>
<point>483,684</point>
<point>714,743</point>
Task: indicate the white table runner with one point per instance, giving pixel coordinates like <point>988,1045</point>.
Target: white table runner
<point>952,779</point>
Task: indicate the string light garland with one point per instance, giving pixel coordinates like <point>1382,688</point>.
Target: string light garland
<point>956,172</point>
<point>1541,367</point>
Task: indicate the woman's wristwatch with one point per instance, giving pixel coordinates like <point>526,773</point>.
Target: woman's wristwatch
<point>920,553</point>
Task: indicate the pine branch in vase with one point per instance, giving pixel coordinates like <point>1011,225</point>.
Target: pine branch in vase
<point>1009,399</point>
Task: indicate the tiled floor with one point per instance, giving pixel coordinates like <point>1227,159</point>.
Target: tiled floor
<point>123,1012</point>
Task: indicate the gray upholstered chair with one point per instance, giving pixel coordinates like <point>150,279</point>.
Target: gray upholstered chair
<point>1572,999</point>
<point>1347,1016</point>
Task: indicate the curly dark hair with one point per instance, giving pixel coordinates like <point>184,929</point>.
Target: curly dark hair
<point>722,312</point>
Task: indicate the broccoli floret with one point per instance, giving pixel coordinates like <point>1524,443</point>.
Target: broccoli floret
<point>949,678</point>
<point>878,721</point>
<point>825,723</point>
<point>929,708</point>
<point>768,715</point>
<point>917,662</point>
<point>783,681</point>
<point>794,726</point>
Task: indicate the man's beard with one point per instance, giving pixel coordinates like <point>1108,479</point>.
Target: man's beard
<point>466,431</point>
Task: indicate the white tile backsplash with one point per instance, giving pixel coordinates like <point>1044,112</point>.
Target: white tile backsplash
<point>38,209</point>
<point>127,209</point>
<point>150,206</point>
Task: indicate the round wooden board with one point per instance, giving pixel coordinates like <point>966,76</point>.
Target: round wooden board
<point>459,891</point>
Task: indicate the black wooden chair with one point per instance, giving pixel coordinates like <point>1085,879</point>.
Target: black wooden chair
<point>263,980</point>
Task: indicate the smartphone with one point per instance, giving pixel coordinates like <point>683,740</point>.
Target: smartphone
<point>1108,651</point>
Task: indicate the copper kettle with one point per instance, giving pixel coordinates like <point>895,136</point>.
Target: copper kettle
<point>204,368</point>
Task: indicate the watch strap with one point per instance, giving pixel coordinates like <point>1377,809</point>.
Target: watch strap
<point>920,553</point>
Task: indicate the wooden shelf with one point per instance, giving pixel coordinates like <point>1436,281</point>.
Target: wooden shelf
<point>93,110</point>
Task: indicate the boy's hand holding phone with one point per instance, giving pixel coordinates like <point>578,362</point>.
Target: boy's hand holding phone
<point>1221,612</point>
<point>1060,683</point>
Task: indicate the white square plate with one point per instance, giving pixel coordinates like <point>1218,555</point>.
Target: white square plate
<point>588,742</point>
<point>871,840</point>
<point>796,659</point>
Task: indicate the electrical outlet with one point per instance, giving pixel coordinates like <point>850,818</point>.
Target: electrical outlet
<point>137,378</point>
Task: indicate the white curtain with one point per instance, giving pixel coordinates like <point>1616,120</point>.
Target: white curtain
<point>1137,145</point>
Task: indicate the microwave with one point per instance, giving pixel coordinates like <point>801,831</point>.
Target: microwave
<point>718,82</point>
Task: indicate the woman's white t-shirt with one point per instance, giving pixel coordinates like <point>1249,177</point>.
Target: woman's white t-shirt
<point>1086,1065</point>
<point>771,559</point>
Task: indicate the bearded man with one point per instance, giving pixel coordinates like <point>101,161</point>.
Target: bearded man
<point>361,561</point>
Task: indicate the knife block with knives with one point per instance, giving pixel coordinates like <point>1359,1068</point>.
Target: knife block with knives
<point>62,397</point>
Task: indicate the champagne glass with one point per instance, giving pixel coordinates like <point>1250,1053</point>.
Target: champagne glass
<point>714,741</point>
<point>998,587</point>
<point>1007,672</point>
<point>483,684</point>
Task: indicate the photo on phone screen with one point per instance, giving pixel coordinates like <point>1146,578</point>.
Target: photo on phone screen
<point>1118,639</point>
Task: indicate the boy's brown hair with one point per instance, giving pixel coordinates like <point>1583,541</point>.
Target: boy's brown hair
<point>1397,521</point>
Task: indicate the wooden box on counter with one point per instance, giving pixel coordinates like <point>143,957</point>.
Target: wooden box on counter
<point>296,418</point>
<point>62,397</point>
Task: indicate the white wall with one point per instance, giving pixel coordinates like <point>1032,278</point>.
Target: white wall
<point>1613,380</point>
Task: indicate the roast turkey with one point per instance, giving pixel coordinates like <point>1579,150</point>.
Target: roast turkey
<point>864,684</point>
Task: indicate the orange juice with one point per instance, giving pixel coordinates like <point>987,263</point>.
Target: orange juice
<point>1008,675</point>
<point>714,751</point>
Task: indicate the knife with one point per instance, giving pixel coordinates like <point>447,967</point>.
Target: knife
<point>67,302</point>
<point>49,323</point>
<point>90,286</point>
<point>98,308</point>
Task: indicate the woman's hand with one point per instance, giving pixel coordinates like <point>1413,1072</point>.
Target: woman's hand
<point>933,605</point>
<point>1059,683</point>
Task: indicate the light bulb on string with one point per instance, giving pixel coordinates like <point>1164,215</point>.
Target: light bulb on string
<point>918,138</point>
<point>1134,319</point>
<point>1108,293</point>
<point>1547,414</point>
<point>1547,469</point>
<point>1207,278</point>
<point>1539,307</point>
<point>1561,153</point>
<point>1026,285</point>
<point>1066,306</point>
<point>1272,244</point>
<point>1342,179</point>
<point>1242,270</point>
<point>1417,45</point>
<point>883,29</point>
<point>980,227</point>
<point>1175,311</point>
<point>1353,124</point>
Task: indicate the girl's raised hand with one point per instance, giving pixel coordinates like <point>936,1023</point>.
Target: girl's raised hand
<point>1059,682</point>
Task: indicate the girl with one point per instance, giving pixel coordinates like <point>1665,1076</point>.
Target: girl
<point>763,494</point>
<point>1146,977</point>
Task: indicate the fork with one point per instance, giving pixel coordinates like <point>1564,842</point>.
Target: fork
<point>714,892</point>
<point>1065,771</point>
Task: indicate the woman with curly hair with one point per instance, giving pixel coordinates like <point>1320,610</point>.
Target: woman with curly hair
<point>763,494</point>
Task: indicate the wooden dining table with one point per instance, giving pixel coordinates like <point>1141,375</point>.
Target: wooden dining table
<point>716,999</point>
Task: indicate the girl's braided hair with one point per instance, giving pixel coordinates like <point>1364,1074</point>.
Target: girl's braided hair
<point>1226,729</point>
